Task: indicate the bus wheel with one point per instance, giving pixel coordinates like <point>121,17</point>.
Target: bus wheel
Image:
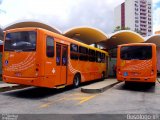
<point>76,81</point>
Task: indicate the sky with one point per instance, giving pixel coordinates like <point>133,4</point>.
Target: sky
<point>66,14</point>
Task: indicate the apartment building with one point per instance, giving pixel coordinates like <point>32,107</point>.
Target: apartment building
<point>135,14</point>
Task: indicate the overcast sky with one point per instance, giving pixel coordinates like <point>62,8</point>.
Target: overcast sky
<point>65,14</point>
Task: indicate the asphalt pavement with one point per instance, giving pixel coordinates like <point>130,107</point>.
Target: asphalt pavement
<point>120,99</point>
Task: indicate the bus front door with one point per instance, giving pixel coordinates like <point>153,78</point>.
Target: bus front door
<point>61,64</point>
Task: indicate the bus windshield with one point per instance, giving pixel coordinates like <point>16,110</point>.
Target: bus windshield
<point>136,52</point>
<point>20,41</point>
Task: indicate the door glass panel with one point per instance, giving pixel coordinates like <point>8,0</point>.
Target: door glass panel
<point>58,54</point>
<point>50,47</point>
<point>64,55</point>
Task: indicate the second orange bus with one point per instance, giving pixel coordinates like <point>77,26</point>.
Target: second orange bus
<point>137,62</point>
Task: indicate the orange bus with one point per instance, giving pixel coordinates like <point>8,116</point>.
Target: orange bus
<point>137,62</point>
<point>38,57</point>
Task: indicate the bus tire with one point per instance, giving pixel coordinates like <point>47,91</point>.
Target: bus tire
<point>76,80</point>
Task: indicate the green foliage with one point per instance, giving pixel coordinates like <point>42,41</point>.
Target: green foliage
<point>118,28</point>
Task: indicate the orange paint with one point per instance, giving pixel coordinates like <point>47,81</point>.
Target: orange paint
<point>137,70</point>
<point>35,68</point>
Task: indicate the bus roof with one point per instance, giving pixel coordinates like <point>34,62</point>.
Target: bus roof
<point>136,44</point>
<point>57,36</point>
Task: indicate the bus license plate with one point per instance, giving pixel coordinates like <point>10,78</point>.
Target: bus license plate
<point>18,74</point>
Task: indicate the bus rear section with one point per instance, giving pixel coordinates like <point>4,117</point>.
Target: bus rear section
<point>137,63</point>
<point>20,60</point>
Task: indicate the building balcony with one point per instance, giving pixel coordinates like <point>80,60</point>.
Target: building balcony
<point>143,6</point>
<point>143,24</point>
<point>142,15</point>
<point>143,12</point>
<point>143,18</point>
<point>143,28</point>
<point>143,3</point>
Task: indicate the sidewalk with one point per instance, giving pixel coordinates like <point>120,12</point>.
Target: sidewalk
<point>99,87</point>
<point>6,86</point>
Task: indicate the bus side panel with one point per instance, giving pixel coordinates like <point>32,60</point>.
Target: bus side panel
<point>43,79</point>
<point>85,68</point>
<point>155,62</point>
<point>158,59</point>
<point>40,53</point>
<point>45,71</point>
<point>89,70</point>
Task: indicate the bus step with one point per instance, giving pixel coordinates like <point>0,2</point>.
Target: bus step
<point>61,86</point>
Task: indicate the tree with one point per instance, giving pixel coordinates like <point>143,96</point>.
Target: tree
<point>118,28</point>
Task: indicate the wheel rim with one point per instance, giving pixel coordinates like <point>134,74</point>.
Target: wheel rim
<point>76,81</point>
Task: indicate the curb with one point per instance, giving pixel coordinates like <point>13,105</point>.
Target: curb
<point>99,90</point>
<point>14,87</point>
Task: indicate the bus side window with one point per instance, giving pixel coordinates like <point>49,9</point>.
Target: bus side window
<point>98,56</point>
<point>74,51</point>
<point>103,57</point>
<point>49,46</point>
<point>64,55</point>
<point>92,55</point>
<point>83,53</point>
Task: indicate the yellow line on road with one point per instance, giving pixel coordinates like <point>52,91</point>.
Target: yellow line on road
<point>85,99</point>
<point>52,102</point>
<point>79,97</point>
